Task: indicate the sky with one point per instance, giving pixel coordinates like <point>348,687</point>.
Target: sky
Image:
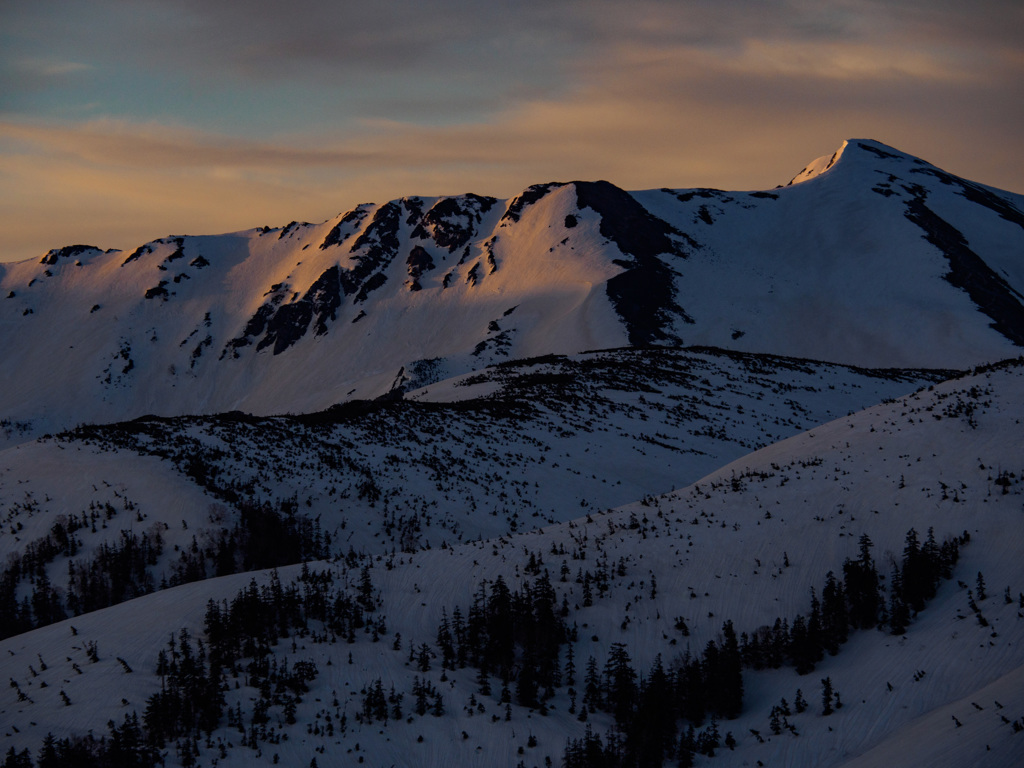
<point>122,121</point>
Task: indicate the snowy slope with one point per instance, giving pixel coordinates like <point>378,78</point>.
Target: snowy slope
<point>879,259</point>
<point>857,262</point>
<point>746,543</point>
<point>510,448</point>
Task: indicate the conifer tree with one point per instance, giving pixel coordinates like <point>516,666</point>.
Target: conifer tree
<point>620,683</point>
<point>14,759</point>
<point>862,588</point>
<point>826,696</point>
<point>592,692</point>
<point>799,703</point>
<point>729,702</point>
<point>834,616</point>
<point>899,613</point>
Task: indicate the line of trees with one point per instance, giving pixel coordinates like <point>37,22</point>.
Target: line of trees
<point>518,636</point>
<point>264,536</point>
<point>516,639</point>
<point>858,601</point>
<point>44,605</point>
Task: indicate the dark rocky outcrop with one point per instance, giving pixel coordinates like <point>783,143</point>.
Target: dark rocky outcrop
<point>372,284</point>
<point>292,227</point>
<point>179,250</point>
<point>418,262</point>
<point>142,250</point>
<point>344,228</point>
<point>979,195</point>
<point>881,153</point>
<point>643,295</point>
<point>530,196</point>
<point>324,297</point>
<point>67,252</point>
<point>287,326</point>
<point>282,325</point>
<point>291,321</point>
<point>414,209</point>
<point>968,271</point>
<point>373,251</point>
<point>451,222</point>
<point>257,323</point>
<point>158,290</point>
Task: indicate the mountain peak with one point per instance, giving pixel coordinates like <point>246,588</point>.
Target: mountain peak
<point>818,166</point>
<point>864,149</point>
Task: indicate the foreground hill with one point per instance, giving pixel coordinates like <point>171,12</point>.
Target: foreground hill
<point>647,595</point>
<point>873,258</point>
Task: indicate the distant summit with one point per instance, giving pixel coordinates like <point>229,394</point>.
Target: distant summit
<point>818,166</point>
<point>875,150</point>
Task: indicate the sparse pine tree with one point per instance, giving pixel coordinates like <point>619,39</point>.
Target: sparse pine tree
<point>800,703</point>
<point>592,685</point>
<point>899,613</point>
<point>570,665</point>
<point>730,674</point>
<point>826,696</point>
<point>423,657</point>
<point>21,759</point>
<point>620,683</point>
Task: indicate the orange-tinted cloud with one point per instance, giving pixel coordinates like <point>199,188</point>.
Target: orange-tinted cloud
<point>732,94</point>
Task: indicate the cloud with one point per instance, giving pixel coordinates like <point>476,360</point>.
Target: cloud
<point>119,143</point>
<point>49,68</point>
<point>451,61</point>
<point>373,101</point>
<point>23,76</point>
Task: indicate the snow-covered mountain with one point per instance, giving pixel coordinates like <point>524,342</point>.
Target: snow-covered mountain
<point>871,258</point>
<point>580,478</point>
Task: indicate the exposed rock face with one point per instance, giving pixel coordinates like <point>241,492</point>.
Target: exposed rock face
<point>291,321</point>
<point>67,252</point>
<point>373,251</point>
<point>525,200</point>
<point>453,221</point>
<point>343,229</point>
<point>643,295</point>
<point>419,261</point>
<point>969,272</point>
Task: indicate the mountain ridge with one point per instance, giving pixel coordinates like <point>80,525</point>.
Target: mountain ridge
<point>303,316</point>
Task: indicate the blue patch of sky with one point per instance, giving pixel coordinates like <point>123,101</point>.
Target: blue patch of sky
<point>144,62</point>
